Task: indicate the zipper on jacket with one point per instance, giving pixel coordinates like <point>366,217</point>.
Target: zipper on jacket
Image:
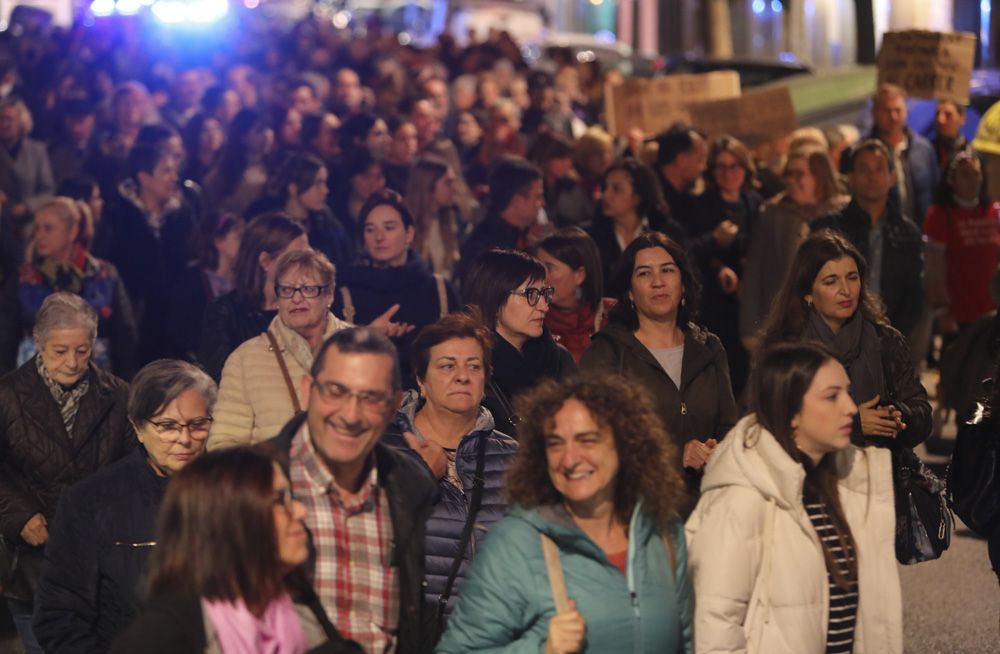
<point>630,564</point>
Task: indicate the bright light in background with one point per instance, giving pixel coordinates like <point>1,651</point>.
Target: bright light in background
<point>776,6</point>
<point>341,19</point>
<point>404,38</point>
<point>788,57</point>
<point>128,7</point>
<point>199,11</point>
<point>759,6</point>
<point>251,4</point>
<point>102,7</point>
<point>597,3</point>
<point>606,36</point>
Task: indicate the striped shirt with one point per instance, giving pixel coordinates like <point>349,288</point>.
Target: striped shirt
<point>843,603</point>
<point>354,578</point>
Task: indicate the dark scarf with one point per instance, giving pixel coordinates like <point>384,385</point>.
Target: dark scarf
<point>515,371</point>
<point>857,348</point>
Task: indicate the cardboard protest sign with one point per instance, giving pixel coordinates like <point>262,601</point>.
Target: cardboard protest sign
<point>928,64</point>
<point>756,117</point>
<point>655,104</point>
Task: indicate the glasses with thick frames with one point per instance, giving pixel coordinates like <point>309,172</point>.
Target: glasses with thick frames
<point>533,294</point>
<point>309,291</point>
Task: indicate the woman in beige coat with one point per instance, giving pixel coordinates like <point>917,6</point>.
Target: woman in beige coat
<point>259,392</point>
<point>791,546</point>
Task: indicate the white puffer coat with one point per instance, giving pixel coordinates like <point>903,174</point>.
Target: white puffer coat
<point>760,580</point>
<point>254,400</point>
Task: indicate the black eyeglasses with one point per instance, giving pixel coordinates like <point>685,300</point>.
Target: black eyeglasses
<point>171,430</point>
<point>533,294</point>
<point>308,291</point>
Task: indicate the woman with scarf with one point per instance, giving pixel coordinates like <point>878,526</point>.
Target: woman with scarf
<point>61,263</point>
<point>825,299</point>
<point>61,418</point>
<point>216,593</point>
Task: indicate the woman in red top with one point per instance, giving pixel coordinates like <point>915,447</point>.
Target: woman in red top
<point>573,268</point>
<point>963,234</point>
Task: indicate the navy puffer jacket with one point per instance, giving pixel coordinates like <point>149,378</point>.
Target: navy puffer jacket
<point>444,527</point>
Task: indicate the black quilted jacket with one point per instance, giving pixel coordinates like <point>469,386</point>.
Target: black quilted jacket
<point>38,459</point>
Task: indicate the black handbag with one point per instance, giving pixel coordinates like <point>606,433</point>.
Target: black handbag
<point>974,473</point>
<point>923,520</point>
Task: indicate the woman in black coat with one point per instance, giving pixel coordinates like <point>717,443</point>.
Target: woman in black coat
<point>103,532</point>
<point>61,418</point>
<point>825,298</point>
<point>392,274</point>
<point>509,289</point>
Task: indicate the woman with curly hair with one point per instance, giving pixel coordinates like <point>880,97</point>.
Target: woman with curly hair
<point>595,482</point>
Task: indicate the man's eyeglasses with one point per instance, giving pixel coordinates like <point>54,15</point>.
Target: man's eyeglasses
<point>309,291</point>
<point>169,431</point>
<point>336,394</point>
<point>533,294</point>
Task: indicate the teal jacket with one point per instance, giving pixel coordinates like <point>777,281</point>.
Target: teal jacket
<point>506,602</point>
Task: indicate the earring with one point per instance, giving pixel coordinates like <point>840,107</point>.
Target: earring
<point>809,304</point>
<point>683,301</point>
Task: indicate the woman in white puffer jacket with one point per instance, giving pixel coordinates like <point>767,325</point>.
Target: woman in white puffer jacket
<point>784,497</point>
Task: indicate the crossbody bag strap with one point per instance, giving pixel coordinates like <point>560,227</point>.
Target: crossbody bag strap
<point>505,404</point>
<point>349,312</point>
<point>470,522</point>
<point>553,565</point>
<point>284,371</point>
<point>442,295</point>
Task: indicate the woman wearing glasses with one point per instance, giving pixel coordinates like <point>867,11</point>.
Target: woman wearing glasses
<point>259,392</point>
<point>813,189</point>
<point>509,289</point>
<point>103,533</point>
<point>213,592</point>
<point>651,339</point>
<point>391,273</point>
<point>61,418</point>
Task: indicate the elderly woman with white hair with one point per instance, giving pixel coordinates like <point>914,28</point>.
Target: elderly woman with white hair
<point>60,262</point>
<point>61,418</point>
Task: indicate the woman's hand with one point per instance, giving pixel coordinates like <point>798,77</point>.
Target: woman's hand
<point>566,632</point>
<point>36,530</point>
<point>432,453</point>
<point>383,324</point>
<point>728,280</point>
<point>725,233</point>
<point>696,453</point>
<point>885,421</point>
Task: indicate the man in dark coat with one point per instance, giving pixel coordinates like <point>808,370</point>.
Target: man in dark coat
<point>889,241</point>
<point>353,486</point>
<point>516,196</point>
<point>681,159</point>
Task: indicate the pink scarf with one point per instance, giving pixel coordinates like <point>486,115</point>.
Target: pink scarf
<point>278,631</point>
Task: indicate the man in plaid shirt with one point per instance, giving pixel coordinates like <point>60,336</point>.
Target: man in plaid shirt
<point>366,504</point>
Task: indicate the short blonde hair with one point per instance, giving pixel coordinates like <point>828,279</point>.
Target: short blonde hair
<point>67,209</point>
<point>24,119</point>
<point>307,260</point>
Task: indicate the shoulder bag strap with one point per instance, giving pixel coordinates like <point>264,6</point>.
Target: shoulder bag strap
<point>470,523</point>
<point>349,312</point>
<point>442,295</point>
<point>556,579</point>
<point>284,371</point>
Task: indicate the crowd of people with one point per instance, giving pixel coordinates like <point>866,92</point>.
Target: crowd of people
<point>326,343</point>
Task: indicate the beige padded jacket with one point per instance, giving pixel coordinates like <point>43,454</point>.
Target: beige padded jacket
<point>254,400</point>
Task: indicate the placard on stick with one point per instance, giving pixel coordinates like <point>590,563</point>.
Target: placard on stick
<point>758,116</point>
<point>653,105</point>
<point>928,64</point>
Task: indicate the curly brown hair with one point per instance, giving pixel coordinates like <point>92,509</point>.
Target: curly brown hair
<point>647,457</point>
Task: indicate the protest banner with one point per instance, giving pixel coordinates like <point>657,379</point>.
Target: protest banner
<point>928,64</point>
<point>653,105</point>
<point>758,116</point>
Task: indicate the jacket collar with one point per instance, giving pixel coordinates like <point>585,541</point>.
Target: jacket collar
<point>697,354</point>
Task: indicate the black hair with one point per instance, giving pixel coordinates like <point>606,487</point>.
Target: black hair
<point>359,340</point>
<point>624,311</point>
<point>510,176</point>
<point>494,275</point>
<point>679,138</point>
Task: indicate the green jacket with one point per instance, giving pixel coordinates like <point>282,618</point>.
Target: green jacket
<point>506,602</point>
